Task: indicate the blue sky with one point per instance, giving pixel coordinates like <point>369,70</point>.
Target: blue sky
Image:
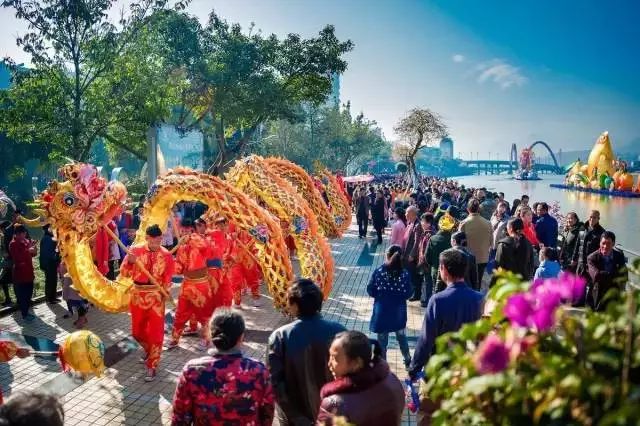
<point>498,71</point>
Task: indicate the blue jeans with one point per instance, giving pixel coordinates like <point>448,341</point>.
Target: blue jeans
<point>401,337</point>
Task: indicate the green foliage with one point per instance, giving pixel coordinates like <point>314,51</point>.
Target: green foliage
<point>239,80</point>
<point>90,79</point>
<point>93,80</point>
<point>328,135</point>
<point>584,372</point>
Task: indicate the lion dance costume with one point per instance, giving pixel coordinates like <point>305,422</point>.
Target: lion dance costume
<point>147,302</point>
<point>196,296</point>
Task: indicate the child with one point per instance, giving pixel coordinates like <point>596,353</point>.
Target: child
<point>73,299</point>
<point>549,265</point>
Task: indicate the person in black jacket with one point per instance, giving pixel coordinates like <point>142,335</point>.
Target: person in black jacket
<point>607,270</point>
<point>515,253</point>
<point>298,356</point>
<point>570,237</point>
<point>378,214</point>
<point>459,242</point>
<point>361,205</point>
<point>49,261</point>
<point>588,242</point>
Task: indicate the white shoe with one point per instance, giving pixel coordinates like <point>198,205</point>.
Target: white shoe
<point>151,375</point>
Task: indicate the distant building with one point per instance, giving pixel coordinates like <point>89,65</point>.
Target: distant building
<point>5,77</point>
<point>446,147</point>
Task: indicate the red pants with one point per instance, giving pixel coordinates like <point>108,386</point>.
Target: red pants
<point>224,294</point>
<point>195,304</point>
<point>242,277</point>
<point>147,322</point>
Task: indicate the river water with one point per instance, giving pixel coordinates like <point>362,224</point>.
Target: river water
<point>617,214</point>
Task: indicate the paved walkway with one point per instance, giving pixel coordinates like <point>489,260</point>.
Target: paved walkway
<point>121,397</point>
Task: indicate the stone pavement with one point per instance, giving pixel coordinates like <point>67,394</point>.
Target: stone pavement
<point>122,397</point>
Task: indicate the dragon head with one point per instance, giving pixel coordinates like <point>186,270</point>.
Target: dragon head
<point>82,201</point>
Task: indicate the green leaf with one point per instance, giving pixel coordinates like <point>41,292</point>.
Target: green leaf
<point>481,384</point>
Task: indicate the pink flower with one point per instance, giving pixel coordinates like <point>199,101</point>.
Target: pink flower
<point>543,319</point>
<point>492,355</point>
<point>571,287</point>
<point>518,309</point>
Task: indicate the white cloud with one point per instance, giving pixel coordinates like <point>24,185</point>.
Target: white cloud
<point>458,58</point>
<point>501,73</point>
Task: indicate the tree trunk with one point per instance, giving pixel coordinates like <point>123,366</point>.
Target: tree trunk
<point>75,129</point>
<point>413,171</point>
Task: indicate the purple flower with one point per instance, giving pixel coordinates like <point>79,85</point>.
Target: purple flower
<point>492,355</point>
<point>543,319</point>
<point>571,287</point>
<point>547,296</point>
<point>519,309</point>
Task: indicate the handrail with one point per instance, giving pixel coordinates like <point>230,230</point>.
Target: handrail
<point>626,250</point>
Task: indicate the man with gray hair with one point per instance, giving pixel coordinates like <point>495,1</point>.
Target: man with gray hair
<point>411,246</point>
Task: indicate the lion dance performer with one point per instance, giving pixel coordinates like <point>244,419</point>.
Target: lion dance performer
<point>196,297</point>
<point>219,262</point>
<point>147,300</point>
<point>245,272</point>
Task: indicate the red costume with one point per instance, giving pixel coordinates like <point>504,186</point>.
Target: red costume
<point>196,298</point>
<point>147,302</point>
<point>218,267</point>
<point>245,271</point>
<point>102,252</point>
<point>7,352</point>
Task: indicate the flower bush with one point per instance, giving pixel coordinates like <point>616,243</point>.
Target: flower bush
<point>535,360</point>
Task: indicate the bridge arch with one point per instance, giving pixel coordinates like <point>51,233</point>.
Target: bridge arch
<point>553,157</point>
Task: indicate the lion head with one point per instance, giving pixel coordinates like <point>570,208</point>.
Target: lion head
<point>83,201</point>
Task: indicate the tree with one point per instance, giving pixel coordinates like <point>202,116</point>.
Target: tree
<point>87,77</point>
<point>242,80</point>
<point>338,140</point>
<point>420,127</point>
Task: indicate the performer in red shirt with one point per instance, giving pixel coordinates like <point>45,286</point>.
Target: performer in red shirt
<point>245,271</point>
<point>195,301</point>
<point>8,350</point>
<point>22,250</point>
<point>218,263</point>
<point>147,300</point>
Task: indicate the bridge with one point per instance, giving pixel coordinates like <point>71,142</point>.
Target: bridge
<point>490,167</point>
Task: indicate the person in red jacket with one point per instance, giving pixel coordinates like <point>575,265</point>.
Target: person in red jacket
<point>22,250</point>
<point>245,272</point>
<point>147,301</point>
<point>219,262</point>
<point>196,295</point>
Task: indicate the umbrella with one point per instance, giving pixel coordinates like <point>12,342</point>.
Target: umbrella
<point>4,203</point>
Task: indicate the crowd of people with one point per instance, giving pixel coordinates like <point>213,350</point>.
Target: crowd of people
<point>445,244</point>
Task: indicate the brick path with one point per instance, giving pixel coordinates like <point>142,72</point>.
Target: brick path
<point>121,397</point>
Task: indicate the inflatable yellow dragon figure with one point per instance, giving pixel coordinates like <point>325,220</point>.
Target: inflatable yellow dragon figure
<point>303,183</point>
<point>83,202</point>
<point>600,169</point>
<point>251,175</point>
<point>601,157</point>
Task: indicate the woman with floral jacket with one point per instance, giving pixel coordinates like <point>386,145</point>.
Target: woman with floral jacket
<point>226,387</point>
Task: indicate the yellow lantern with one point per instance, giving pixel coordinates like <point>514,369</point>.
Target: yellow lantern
<point>82,351</point>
